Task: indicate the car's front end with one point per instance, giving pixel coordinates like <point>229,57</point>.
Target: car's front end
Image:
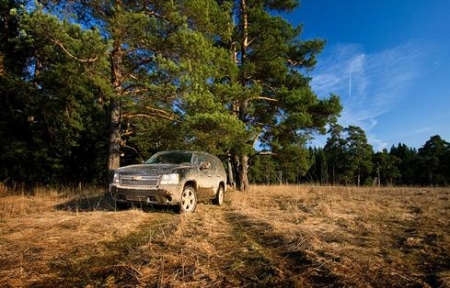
<point>147,184</point>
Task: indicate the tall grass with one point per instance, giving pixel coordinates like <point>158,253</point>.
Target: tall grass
<point>269,236</point>
<point>17,203</point>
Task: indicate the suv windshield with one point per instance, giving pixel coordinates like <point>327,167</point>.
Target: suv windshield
<point>170,158</point>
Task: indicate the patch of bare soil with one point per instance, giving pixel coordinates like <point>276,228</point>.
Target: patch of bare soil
<point>270,236</point>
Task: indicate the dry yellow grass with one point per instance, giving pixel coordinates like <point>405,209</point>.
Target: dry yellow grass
<point>270,236</point>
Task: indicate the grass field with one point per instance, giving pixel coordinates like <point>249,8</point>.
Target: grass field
<point>270,236</point>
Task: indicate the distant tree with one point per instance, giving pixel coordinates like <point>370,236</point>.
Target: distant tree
<point>335,153</point>
<point>293,163</point>
<point>349,156</point>
<point>322,160</point>
<point>359,154</point>
<point>386,166</point>
<point>433,155</point>
<point>264,170</point>
<point>318,173</point>
<point>408,163</point>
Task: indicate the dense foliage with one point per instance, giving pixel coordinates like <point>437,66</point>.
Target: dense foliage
<point>87,86</point>
<point>52,126</point>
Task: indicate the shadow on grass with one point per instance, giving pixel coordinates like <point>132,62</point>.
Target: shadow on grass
<point>118,265</point>
<point>106,203</point>
<point>88,204</point>
<point>268,249</point>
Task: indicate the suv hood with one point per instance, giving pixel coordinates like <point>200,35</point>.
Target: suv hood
<point>150,169</point>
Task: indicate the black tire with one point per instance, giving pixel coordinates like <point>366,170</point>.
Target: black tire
<point>188,200</point>
<point>219,196</point>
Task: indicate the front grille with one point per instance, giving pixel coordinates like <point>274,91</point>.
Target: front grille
<point>135,180</point>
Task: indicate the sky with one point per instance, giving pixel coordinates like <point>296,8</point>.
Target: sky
<point>388,61</point>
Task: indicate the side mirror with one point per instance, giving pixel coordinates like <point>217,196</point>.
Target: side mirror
<point>205,165</point>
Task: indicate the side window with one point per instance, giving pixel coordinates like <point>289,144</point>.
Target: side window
<point>214,162</point>
<point>220,166</point>
<point>201,158</point>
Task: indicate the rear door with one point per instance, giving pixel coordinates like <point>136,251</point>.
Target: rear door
<point>217,171</point>
<point>205,181</point>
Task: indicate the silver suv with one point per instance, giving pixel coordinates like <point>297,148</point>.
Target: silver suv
<point>175,178</point>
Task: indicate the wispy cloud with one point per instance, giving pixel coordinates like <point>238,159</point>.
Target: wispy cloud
<point>369,84</point>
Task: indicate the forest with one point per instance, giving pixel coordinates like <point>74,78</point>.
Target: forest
<point>347,159</point>
<point>88,86</point>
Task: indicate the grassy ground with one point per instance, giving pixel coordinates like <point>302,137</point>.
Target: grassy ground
<point>270,236</point>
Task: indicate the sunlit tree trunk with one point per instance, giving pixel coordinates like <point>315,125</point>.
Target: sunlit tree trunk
<point>241,107</point>
<point>115,108</point>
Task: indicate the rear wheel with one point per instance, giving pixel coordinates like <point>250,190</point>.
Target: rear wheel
<point>219,196</point>
<point>188,200</point>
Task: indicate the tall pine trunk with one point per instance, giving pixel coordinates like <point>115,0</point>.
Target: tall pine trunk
<point>114,137</point>
<point>240,106</point>
<point>240,171</point>
<point>244,183</point>
<point>115,108</point>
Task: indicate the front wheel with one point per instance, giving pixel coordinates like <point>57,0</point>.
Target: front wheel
<point>188,200</point>
<point>219,196</point>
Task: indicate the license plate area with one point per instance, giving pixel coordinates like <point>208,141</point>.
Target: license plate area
<point>147,199</point>
<point>136,198</point>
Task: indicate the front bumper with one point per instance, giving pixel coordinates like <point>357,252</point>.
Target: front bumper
<point>170,195</point>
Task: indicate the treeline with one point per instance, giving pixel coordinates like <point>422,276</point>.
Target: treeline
<point>347,159</point>
<point>88,86</point>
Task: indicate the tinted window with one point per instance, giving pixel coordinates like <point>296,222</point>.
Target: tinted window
<point>213,162</point>
<point>170,158</point>
<point>201,158</point>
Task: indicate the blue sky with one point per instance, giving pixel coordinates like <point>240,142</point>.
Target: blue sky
<point>388,60</point>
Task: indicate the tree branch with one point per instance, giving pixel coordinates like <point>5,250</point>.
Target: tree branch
<point>143,115</point>
<point>154,113</point>
<point>294,63</point>
<point>263,98</point>
<point>136,91</point>
<point>90,60</point>
<point>137,65</point>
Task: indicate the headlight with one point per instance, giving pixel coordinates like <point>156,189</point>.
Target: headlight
<point>170,179</point>
<point>115,178</point>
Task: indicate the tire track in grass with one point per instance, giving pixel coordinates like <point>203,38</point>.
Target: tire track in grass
<point>221,247</point>
<point>204,250</point>
<point>271,262</point>
<point>198,253</point>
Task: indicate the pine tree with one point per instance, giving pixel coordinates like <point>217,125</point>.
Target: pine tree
<point>434,160</point>
<point>386,166</point>
<point>335,153</point>
<point>272,98</point>
<point>349,155</point>
<point>359,154</point>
